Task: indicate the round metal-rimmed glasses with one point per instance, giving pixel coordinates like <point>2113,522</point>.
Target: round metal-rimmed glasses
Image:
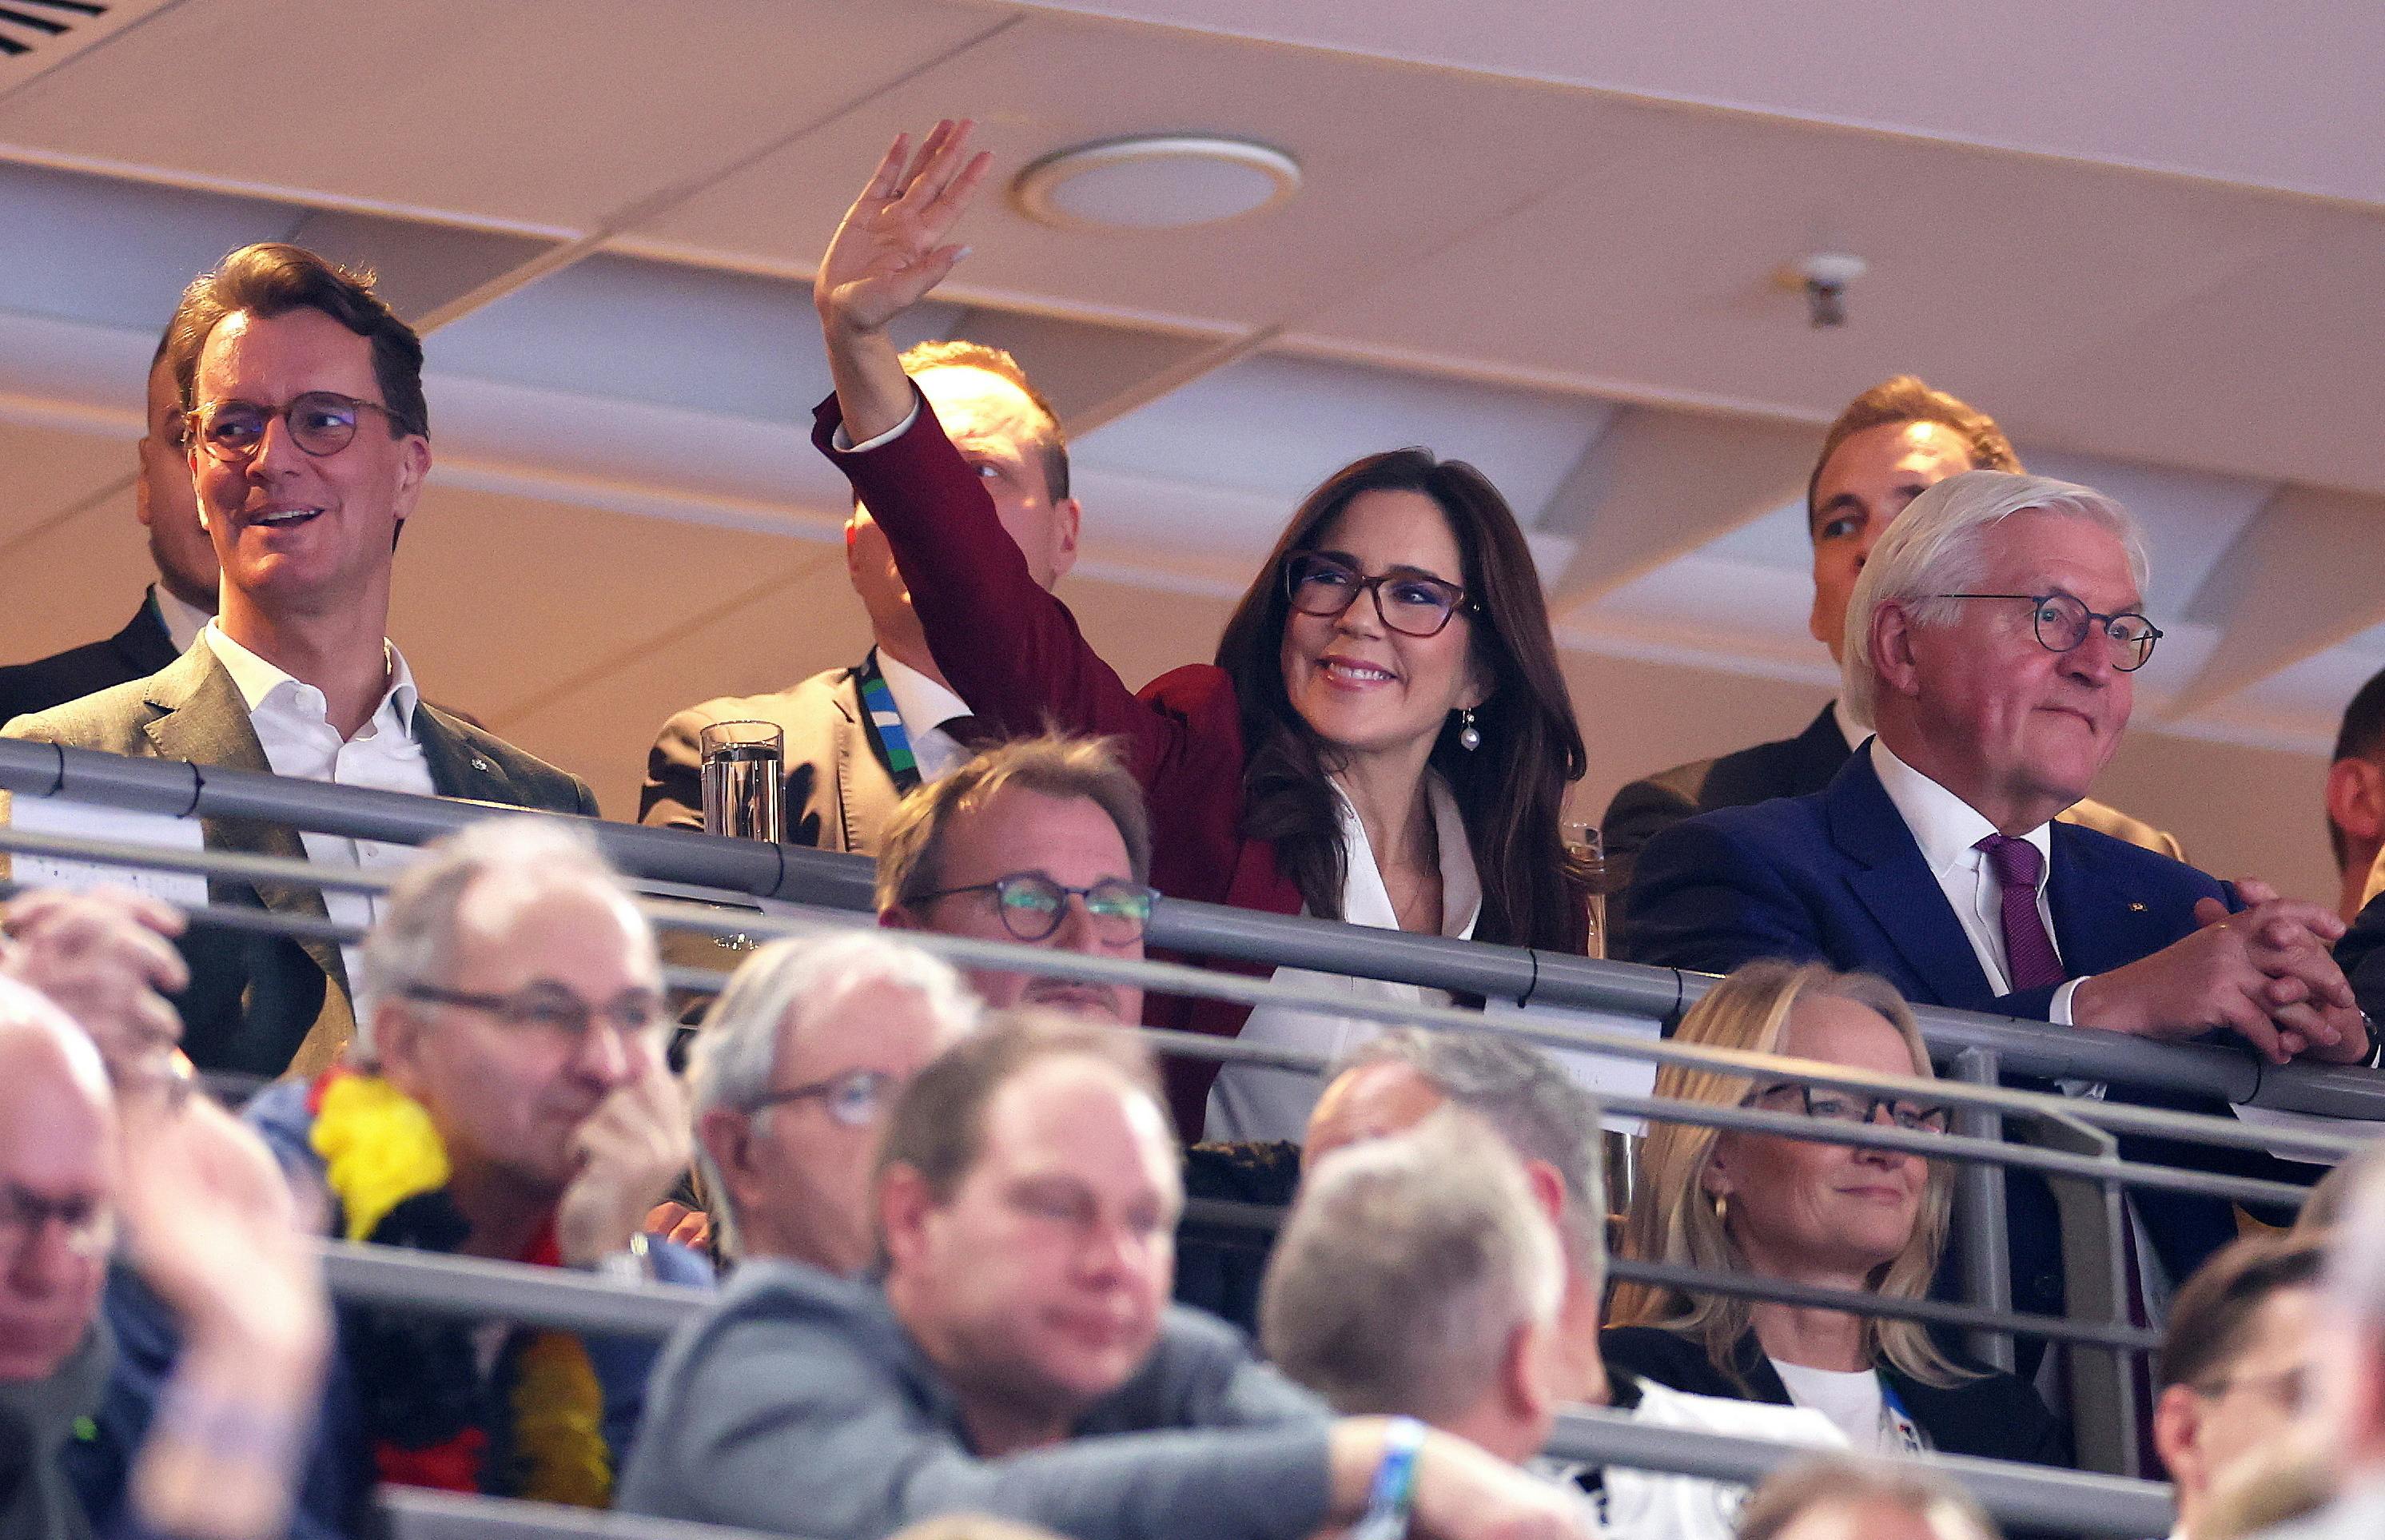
<point>1032,904</point>
<point>2064,621</point>
<point>321,422</point>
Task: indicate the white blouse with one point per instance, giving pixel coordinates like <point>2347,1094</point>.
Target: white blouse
<point>1255,1102</point>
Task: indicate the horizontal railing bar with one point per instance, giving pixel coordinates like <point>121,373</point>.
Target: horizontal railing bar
<point>2030,1496</point>
<point>556,1298</point>
<point>840,881</point>
<point>422,1513</point>
<point>679,913</point>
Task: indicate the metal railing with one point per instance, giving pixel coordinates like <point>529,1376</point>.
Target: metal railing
<point>1976,1050</point>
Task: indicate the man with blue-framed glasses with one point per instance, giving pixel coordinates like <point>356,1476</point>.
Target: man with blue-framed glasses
<point>1043,843</point>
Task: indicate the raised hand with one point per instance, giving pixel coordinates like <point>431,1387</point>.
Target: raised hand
<point>890,251</point>
<point>105,959</point>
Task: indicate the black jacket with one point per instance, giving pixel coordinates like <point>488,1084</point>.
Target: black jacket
<point>1995,1416</point>
<point>140,650</point>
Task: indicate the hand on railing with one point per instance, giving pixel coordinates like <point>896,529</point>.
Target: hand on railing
<point>1460,1492</point>
<point>2263,973</point>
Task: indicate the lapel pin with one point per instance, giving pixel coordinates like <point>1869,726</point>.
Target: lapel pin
<point>481,765</point>
<point>2136,908</point>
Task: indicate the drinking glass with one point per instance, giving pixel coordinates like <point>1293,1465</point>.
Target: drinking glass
<point>1582,842</point>
<point>744,780</point>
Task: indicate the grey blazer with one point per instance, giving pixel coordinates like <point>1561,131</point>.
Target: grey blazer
<point>268,1004</point>
<point>838,793</point>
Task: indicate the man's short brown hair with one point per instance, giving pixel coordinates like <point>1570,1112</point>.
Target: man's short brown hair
<point>937,1127</point>
<point>273,277</point>
<point>2212,1315</point>
<point>960,353</point>
<point>911,849</point>
<point>1904,399</point>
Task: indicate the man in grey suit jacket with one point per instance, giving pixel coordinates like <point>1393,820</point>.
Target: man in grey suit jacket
<point>858,738</point>
<point>308,448</point>
<point>1017,1356</point>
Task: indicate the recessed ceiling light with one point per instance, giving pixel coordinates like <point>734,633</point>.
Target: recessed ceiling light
<point>1154,182</point>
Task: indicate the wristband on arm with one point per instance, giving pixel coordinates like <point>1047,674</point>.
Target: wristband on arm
<point>1391,1497</point>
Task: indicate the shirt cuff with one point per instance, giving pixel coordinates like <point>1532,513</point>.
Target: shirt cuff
<point>2057,1010</point>
<point>843,443</point>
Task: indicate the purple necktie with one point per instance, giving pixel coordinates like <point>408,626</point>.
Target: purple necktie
<point>2030,958</point>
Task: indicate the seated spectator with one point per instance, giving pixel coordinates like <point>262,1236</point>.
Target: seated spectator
<point>1042,841</point>
<point>1838,1498</point>
<point>2236,1367</point>
<point>202,1215</point>
<point>1417,1277</point>
<point>507,1099</point>
<point>1933,860</point>
<point>797,1063</point>
<point>1810,1213</point>
<point>1401,1080</point>
<point>2347,1428</point>
<point>1026,1197</point>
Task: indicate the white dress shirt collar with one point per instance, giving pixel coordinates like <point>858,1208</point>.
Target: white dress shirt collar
<point>259,682</point>
<point>183,621</point>
<point>925,706</point>
<point>1947,828</point>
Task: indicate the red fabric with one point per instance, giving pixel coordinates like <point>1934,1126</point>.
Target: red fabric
<point>1013,652</point>
<point>454,1465</point>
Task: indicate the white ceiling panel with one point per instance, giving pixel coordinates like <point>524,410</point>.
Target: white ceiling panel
<point>550,114</point>
<point>1376,193</point>
<point>97,249</point>
<point>2279,96</point>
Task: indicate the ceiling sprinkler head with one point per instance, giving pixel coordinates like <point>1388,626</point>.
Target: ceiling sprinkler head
<point>1826,276</point>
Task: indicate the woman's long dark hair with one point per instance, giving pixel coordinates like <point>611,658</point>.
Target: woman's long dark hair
<point>1507,791</point>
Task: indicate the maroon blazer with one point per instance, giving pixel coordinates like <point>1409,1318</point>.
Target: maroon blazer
<point>1013,651</point>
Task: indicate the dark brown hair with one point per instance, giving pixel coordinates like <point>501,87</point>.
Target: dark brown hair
<point>273,279</point>
<point>961,353</point>
<point>1904,399</point>
<point>937,1127</point>
<point>1507,791</point>
<point>911,847</point>
<point>2211,1316</point>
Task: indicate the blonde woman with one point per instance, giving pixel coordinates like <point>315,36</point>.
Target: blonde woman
<point>1810,1213</point>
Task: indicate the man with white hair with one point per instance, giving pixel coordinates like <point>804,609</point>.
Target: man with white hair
<point>1416,1277</point>
<point>1991,644</point>
<point>506,1096</point>
<point>1837,1498</point>
<point>798,1062</point>
<point>1405,1082</point>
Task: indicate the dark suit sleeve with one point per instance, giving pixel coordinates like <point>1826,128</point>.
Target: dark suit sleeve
<point>673,795</point>
<point>1639,813</point>
<point>1705,899</point>
<point>2361,955</point>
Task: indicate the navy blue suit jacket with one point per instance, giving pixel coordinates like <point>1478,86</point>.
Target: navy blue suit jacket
<point>1837,877</point>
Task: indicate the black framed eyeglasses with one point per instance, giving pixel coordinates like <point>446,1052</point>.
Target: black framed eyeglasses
<point>853,1098</point>
<point>321,422</point>
<point>556,1013</point>
<point>1408,602</point>
<point>1032,904</point>
<point>1837,1106</point>
<point>2064,621</point>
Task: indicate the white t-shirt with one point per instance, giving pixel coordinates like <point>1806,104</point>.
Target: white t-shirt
<point>1858,1404</point>
<point>1634,1504</point>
